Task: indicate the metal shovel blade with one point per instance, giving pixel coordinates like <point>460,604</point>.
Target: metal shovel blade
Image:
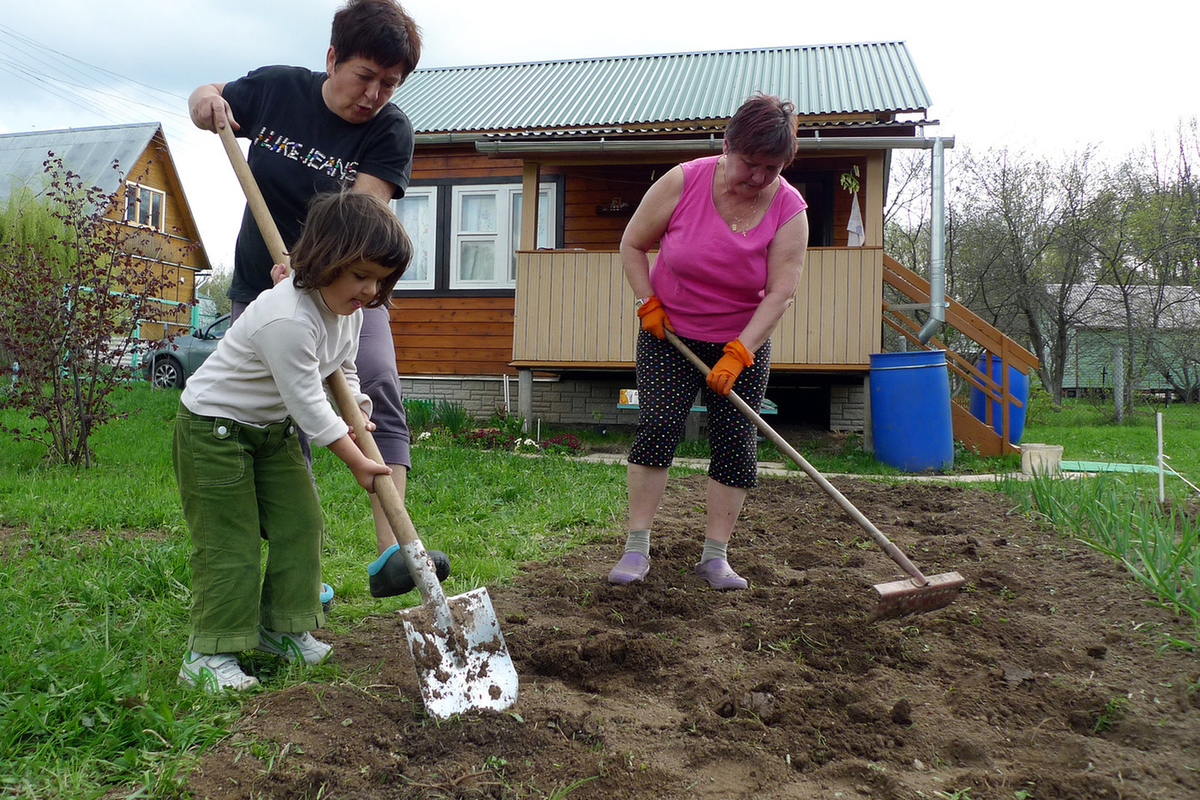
<point>464,665</point>
<point>900,598</point>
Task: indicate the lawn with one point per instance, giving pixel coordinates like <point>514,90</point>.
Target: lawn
<point>1087,430</point>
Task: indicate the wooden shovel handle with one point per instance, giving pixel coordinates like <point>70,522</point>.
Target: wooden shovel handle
<point>254,197</point>
<point>831,490</point>
<point>385,489</point>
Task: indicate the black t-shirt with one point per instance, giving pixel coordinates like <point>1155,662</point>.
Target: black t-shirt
<point>299,148</point>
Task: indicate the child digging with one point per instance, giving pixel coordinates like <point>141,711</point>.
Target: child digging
<point>242,475</point>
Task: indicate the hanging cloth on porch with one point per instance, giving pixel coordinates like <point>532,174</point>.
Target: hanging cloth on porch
<point>855,225</point>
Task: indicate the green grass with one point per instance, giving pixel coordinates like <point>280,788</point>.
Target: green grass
<point>96,588</point>
<point>1088,431</point>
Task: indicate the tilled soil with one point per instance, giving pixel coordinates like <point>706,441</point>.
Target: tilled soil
<point>1046,678</point>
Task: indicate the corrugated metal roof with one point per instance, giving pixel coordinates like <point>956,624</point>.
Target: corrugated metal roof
<point>642,90</point>
<point>88,152</point>
<point>1108,307</point>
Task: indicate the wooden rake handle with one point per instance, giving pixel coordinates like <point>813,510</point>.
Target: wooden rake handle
<point>831,490</point>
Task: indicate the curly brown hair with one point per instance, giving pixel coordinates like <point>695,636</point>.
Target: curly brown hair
<point>343,229</point>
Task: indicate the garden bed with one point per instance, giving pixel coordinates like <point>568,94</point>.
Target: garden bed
<point>1048,678</point>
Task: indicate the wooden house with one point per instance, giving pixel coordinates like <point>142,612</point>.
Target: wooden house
<point>503,288</point>
<point>151,213</point>
<point>1151,331</point>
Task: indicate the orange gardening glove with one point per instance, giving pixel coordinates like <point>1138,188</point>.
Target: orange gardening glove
<point>654,317</point>
<point>722,376</point>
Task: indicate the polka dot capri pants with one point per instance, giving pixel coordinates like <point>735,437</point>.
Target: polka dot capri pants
<point>667,384</point>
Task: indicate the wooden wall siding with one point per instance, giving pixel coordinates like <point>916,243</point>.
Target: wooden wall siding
<point>573,307</point>
<point>453,335</point>
<point>461,161</point>
<point>835,321</point>
<point>174,251</point>
<point>576,309</point>
<point>589,187</point>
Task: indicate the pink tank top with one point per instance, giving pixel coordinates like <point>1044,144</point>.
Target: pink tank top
<point>711,279</point>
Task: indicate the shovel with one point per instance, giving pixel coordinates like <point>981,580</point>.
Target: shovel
<point>461,660</point>
<point>914,595</point>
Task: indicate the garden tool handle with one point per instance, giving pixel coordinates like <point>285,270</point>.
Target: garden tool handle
<point>385,489</point>
<point>831,490</point>
<point>254,198</point>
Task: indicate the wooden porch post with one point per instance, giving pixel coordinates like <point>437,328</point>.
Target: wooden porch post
<point>872,209</point>
<point>530,179</point>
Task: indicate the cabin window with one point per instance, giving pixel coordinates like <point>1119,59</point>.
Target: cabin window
<point>417,212</point>
<point>485,231</point>
<point>144,206</point>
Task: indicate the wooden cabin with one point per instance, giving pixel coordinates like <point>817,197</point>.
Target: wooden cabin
<point>151,212</point>
<point>505,289</point>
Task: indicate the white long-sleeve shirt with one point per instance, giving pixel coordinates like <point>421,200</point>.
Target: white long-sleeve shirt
<point>272,363</point>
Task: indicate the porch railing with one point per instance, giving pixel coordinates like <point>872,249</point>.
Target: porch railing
<point>975,433</point>
<point>574,308</point>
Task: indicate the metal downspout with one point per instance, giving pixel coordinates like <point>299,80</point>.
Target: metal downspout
<point>937,248</point>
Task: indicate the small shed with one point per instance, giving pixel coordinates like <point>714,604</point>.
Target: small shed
<point>133,163</point>
<point>1155,329</point>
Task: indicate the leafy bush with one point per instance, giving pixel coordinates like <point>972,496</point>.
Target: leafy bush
<point>563,443</point>
<point>486,439</point>
<point>72,294</point>
<point>420,414</point>
<point>509,423</point>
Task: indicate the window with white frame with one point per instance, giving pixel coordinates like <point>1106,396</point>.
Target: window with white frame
<point>417,212</point>
<point>485,231</point>
<point>144,206</point>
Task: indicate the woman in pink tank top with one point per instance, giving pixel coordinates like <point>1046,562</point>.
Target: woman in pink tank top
<point>731,235</point>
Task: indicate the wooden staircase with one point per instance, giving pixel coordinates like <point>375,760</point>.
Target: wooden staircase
<point>975,434</point>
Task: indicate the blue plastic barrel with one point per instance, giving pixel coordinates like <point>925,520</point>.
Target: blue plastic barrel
<point>1018,387</point>
<point>910,410</point>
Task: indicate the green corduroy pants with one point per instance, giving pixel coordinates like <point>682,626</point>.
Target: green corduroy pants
<point>241,484</point>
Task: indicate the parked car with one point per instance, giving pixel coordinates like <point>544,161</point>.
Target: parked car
<point>171,364</point>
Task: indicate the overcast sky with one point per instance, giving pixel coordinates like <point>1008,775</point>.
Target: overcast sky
<point>1049,75</point>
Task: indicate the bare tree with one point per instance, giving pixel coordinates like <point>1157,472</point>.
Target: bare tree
<point>1007,233</point>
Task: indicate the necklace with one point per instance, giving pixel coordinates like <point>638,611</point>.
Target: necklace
<point>737,219</point>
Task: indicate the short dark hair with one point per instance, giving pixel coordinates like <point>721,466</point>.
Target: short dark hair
<point>380,30</point>
<point>764,125</point>
<point>344,228</point>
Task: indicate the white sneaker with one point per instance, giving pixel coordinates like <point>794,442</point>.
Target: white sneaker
<point>293,646</point>
<point>215,673</point>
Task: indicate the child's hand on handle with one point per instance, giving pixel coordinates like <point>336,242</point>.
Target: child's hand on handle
<point>365,469</point>
<point>279,272</point>
<point>368,472</point>
<point>370,426</point>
